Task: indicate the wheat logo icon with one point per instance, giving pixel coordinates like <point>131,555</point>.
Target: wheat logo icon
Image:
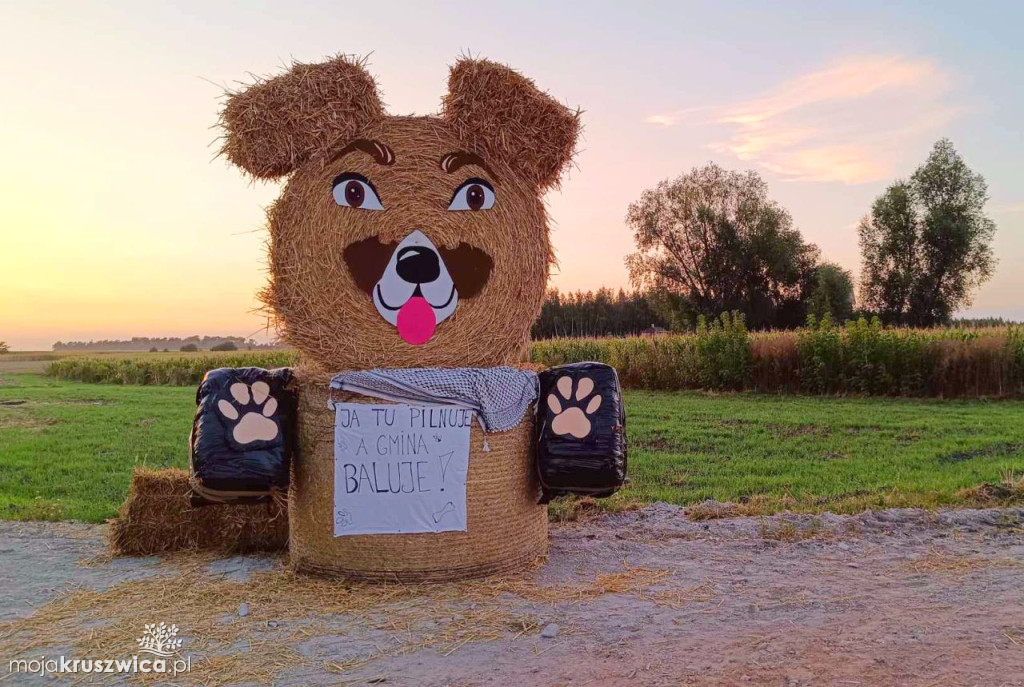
<point>160,640</point>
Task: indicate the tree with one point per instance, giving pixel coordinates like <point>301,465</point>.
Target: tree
<point>189,348</point>
<point>600,313</point>
<point>226,346</point>
<point>715,237</point>
<point>927,243</point>
<point>4,348</point>
<point>675,309</point>
<point>832,293</point>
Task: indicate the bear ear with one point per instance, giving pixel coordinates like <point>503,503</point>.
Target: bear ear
<point>274,125</point>
<point>500,111</point>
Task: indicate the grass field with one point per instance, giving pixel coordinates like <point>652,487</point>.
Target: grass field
<point>67,449</point>
<point>771,453</point>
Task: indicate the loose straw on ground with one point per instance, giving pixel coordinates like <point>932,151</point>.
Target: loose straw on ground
<point>288,608</point>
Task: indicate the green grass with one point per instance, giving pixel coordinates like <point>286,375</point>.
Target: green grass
<point>839,454</point>
<point>67,451</point>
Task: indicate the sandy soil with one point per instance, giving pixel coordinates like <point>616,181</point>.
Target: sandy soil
<point>899,597</point>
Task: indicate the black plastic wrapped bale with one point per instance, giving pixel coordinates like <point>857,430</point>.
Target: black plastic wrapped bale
<point>581,431</point>
<point>243,435</point>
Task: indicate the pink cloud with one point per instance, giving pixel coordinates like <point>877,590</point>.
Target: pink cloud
<point>847,123</point>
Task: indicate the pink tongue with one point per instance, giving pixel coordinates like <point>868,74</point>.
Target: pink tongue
<point>416,321</point>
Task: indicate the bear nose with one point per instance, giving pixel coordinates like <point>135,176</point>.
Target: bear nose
<point>418,265</point>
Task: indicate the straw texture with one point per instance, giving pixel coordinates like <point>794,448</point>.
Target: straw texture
<point>512,119</point>
<point>322,311</point>
<point>506,529</point>
<point>275,124</point>
<point>157,517</point>
<point>300,122</point>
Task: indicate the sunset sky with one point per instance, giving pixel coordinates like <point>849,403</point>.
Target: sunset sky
<point>117,219</point>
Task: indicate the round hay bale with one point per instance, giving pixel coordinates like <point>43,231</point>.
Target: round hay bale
<point>506,529</point>
<point>325,312</point>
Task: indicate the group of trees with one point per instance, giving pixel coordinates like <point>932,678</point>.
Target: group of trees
<point>629,313</point>
<point>712,241</point>
<point>982,322</point>
<point>173,343</point>
<point>228,345</point>
<point>600,313</point>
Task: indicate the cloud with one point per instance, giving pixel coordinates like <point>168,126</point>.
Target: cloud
<point>664,120</point>
<point>849,122</point>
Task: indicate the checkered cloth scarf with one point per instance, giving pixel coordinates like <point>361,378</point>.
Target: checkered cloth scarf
<point>498,395</point>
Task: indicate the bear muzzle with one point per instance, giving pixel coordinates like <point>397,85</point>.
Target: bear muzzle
<point>418,286</point>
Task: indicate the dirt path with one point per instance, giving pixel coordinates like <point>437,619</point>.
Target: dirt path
<point>899,597</point>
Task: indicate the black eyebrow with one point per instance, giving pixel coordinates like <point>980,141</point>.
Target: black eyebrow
<point>380,153</point>
<point>454,161</point>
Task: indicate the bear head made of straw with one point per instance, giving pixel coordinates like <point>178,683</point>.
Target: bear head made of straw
<point>404,241</point>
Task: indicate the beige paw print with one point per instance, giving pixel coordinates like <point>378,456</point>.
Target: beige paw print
<point>254,425</point>
<point>573,420</point>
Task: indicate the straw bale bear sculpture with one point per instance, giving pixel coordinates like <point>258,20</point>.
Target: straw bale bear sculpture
<point>412,242</point>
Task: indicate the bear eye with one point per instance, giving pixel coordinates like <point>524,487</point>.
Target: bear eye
<point>474,194</point>
<point>355,191</point>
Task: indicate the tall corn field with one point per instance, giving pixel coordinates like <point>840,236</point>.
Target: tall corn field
<point>859,358</point>
<point>140,369</point>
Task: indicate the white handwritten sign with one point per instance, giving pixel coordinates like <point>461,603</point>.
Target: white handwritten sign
<point>400,469</point>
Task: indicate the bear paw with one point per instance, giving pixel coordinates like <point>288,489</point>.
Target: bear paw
<point>255,425</point>
<point>573,420</point>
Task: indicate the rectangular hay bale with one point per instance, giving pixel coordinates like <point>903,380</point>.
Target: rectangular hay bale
<point>157,518</point>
